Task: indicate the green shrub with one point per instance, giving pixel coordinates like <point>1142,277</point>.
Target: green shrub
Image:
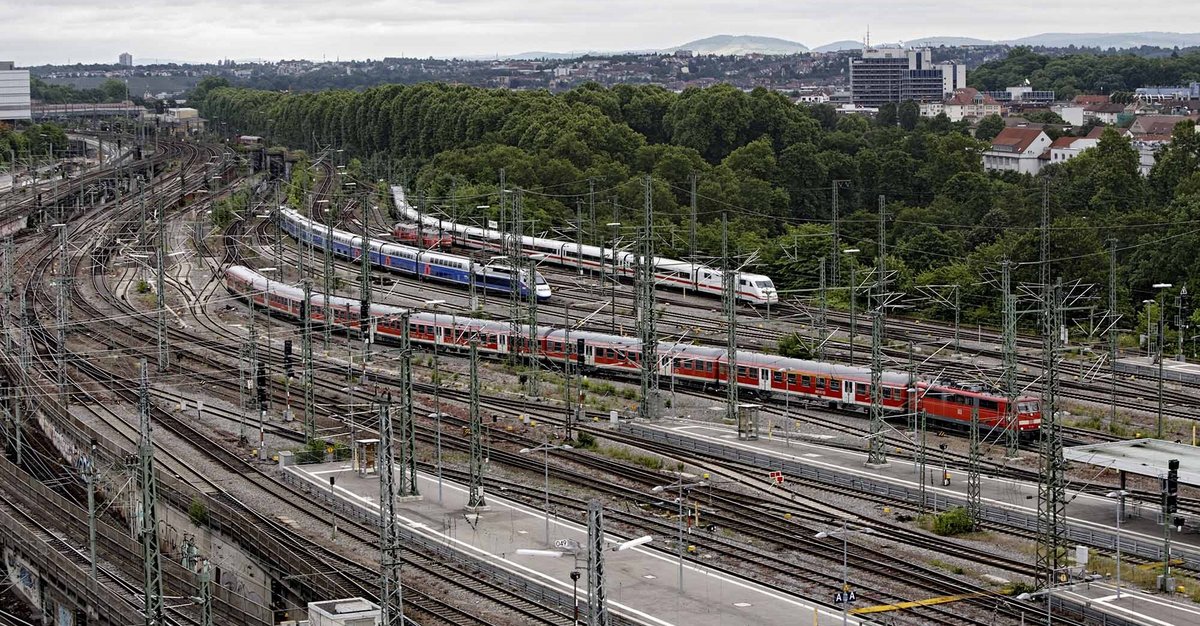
<point>198,512</point>
<point>956,521</point>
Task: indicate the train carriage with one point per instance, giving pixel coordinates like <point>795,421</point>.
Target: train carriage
<point>764,375</point>
<point>403,259</point>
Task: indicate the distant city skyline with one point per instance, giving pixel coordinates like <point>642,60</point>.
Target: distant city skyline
<point>62,31</point>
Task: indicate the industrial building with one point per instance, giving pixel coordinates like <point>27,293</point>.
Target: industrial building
<point>14,93</point>
<point>883,75</point>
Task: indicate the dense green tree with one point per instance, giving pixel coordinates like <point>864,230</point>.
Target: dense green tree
<point>908,114</point>
<point>989,127</point>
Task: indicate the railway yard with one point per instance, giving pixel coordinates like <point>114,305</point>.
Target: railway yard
<point>185,447</point>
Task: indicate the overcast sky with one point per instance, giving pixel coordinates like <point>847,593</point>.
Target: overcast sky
<point>58,31</point>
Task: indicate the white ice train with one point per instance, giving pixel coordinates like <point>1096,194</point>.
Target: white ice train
<point>751,288</point>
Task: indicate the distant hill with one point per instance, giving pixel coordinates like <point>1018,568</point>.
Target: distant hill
<point>753,44</point>
<point>934,42</point>
<point>838,46</point>
<point>1110,40</point>
<point>741,44</point>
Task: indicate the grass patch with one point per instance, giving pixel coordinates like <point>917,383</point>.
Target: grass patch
<point>622,454</point>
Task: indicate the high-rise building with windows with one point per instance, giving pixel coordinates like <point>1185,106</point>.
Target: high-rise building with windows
<point>14,93</point>
<point>125,59</point>
<point>883,75</point>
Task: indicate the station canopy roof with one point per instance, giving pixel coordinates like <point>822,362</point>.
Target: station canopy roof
<point>1147,457</point>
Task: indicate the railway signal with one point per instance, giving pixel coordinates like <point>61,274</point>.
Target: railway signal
<point>1170,488</point>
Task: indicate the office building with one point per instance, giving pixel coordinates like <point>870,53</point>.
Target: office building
<point>883,75</point>
<point>14,93</point>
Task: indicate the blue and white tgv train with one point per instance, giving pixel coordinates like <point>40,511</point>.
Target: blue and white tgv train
<point>402,259</point>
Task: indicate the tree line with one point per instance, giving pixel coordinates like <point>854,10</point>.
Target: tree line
<point>1071,74</point>
<point>771,167</point>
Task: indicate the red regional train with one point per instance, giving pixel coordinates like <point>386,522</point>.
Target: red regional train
<point>765,375</point>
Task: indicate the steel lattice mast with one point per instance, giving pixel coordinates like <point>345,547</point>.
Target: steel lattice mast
<point>597,597</point>
<point>747,429</point>
<point>408,434</point>
<point>391,596</point>
<point>1052,486</point>
<point>1010,358</point>
<point>647,409</point>
<point>877,454</point>
<point>475,497</point>
<point>148,527</point>
<point>310,416</point>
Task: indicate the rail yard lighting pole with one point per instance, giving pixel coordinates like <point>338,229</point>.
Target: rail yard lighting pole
<point>844,533</point>
<point>613,285</point>
<point>437,403</point>
<point>853,290</point>
<point>545,449</point>
<point>1161,287</point>
<point>1120,496</point>
<point>680,486</point>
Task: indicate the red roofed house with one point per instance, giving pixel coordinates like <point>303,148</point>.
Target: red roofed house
<point>965,103</point>
<point>1067,148</point>
<point>1017,150</point>
<point>1085,99</point>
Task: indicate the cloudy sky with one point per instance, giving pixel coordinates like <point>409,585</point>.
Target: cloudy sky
<point>58,31</point>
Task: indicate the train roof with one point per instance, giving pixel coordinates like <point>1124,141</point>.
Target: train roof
<point>662,263</point>
<point>381,246</point>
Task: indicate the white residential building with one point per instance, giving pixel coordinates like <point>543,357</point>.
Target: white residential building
<point>1022,150</point>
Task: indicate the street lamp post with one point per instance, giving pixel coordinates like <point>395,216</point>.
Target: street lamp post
<point>545,449</point>
<point>853,298</point>
<point>680,485</point>
<point>1159,303</point>
<point>1120,496</point>
<point>844,532</point>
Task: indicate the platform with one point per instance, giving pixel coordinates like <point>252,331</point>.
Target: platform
<point>1133,606</point>
<point>643,582</point>
<point>1172,370</point>
<point>1091,518</point>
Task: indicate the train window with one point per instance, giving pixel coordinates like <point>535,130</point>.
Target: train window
<point>861,390</point>
<point>1027,407</point>
<point>957,399</point>
<point>820,383</point>
<point>835,385</point>
<point>805,381</point>
<point>777,376</point>
<point>792,378</point>
<point>885,393</point>
<point>990,405</point>
<point>741,371</point>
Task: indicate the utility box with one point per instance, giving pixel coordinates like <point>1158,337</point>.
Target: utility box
<point>348,612</point>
